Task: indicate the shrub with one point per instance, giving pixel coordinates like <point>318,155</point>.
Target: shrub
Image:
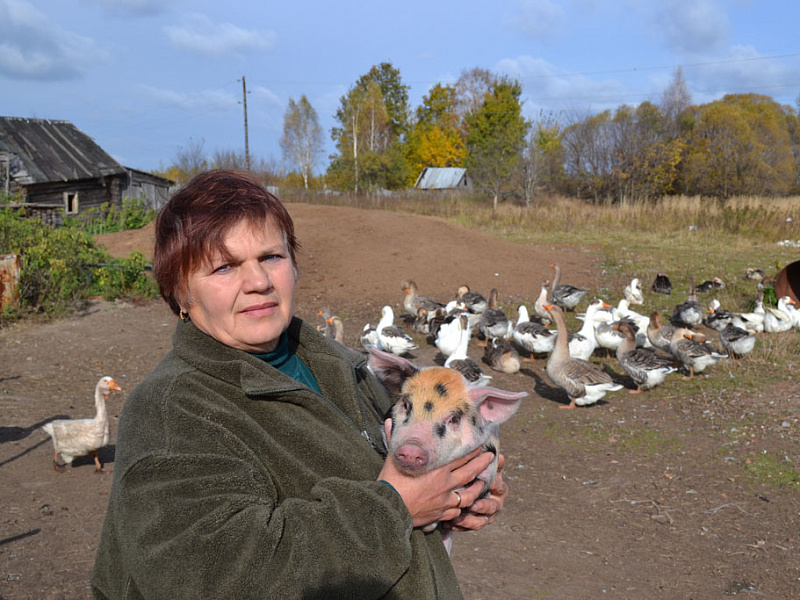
<point>63,266</point>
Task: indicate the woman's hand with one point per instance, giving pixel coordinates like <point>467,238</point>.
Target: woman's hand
<point>432,496</point>
<point>483,511</point>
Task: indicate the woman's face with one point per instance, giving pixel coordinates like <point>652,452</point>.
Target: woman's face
<point>248,302</point>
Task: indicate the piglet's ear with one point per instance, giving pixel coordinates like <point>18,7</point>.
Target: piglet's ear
<point>496,406</point>
<point>390,369</point>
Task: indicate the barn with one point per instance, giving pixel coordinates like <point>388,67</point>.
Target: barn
<point>52,164</point>
<point>443,178</point>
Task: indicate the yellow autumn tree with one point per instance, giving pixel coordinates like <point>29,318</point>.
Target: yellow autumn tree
<point>435,139</point>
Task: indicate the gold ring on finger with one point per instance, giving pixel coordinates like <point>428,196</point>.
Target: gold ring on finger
<point>458,495</point>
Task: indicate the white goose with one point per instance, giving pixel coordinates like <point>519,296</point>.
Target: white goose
<point>392,338</point>
<point>640,320</point>
<point>583,343</point>
<point>80,437</point>
<point>532,336</point>
<point>541,300</point>
<point>778,320</point>
<point>584,382</point>
<point>754,321</point>
<point>460,360</point>
<point>633,292</point>
<point>736,340</point>
<point>448,336</point>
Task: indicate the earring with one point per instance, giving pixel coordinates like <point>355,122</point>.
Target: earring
<point>184,316</point>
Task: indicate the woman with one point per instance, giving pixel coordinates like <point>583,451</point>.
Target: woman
<point>251,462</point>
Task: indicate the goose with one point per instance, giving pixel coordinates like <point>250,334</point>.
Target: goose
<point>755,274</point>
<point>369,337</point>
<point>736,340</point>
<point>583,381</point>
<point>754,321</point>
<point>565,295</point>
<point>583,343</point>
<point>493,322</point>
<point>422,323</point>
<point>541,300</point>
<point>690,313</point>
<point>712,284</point>
<point>658,334</point>
<point>501,356</point>
<point>662,285</point>
<point>778,320</point>
<point>338,329</point>
<point>532,336</point>
<point>633,292</point>
<point>473,301</point>
<point>326,330</point>
<point>80,437</point>
<point>461,362</point>
<point>717,319</point>
<point>412,300</point>
<point>640,320</point>
<point>448,336</point>
<point>643,365</point>
<point>392,338</point>
<point>694,355</point>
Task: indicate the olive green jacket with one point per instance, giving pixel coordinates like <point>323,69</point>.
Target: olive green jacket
<point>232,480</point>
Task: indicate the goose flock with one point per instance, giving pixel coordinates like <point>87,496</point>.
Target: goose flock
<point>648,347</point>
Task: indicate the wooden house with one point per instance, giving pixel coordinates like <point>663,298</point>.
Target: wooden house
<point>52,164</point>
<point>443,178</point>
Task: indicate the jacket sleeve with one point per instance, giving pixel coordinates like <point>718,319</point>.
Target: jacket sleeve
<point>177,512</point>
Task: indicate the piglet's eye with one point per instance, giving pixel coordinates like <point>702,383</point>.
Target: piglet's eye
<point>406,405</point>
<point>454,420</point>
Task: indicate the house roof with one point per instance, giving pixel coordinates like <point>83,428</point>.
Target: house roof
<point>53,151</point>
<point>439,178</point>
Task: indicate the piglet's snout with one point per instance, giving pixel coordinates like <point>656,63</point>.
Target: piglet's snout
<point>411,456</point>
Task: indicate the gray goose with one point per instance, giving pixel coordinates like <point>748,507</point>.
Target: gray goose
<point>643,365</point>
<point>565,295</point>
<point>694,355</point>
<point>583,381</point>
<point>493,322</point>
<point>501,356</point>
<point>735,338</point>
<point>660,335</point>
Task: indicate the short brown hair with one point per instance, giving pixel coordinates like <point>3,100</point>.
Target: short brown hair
<point>193,224</point>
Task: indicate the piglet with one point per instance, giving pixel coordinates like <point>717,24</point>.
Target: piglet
<point>439,417</point>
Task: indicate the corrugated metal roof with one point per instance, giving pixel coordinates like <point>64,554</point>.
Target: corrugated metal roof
<point>440,178</point>
<point>53,151</point>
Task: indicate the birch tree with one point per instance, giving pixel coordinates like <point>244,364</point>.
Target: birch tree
<point>301,141</point>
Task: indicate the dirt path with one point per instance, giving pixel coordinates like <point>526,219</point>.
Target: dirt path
<point>640,497</point>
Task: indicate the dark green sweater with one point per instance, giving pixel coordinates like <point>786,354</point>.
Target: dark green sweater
<point>232,480</point>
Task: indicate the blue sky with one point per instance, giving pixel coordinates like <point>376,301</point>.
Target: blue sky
<point>146,77</point>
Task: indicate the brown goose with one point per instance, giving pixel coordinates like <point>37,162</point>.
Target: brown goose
<point>645,367</point>
<point>660,335</point>
<point>694,355</point>
<point>473,301</point>
<point>583,381</point>
<point>412,300</point>
<point>502,356</point>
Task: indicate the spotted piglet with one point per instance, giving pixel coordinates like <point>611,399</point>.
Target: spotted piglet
<point>439,417</point>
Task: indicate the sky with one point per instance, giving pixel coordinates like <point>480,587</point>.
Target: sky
<point>147,78</point>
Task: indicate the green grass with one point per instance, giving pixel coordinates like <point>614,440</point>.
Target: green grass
<point>775,470</point>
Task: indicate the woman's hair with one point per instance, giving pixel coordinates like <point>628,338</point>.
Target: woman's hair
<point>192,226</point>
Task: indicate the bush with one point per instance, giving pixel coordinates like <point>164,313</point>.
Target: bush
<point>133,214</point>
<point>63,266</point>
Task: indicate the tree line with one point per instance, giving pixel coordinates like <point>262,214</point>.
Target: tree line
<point>741,144</point>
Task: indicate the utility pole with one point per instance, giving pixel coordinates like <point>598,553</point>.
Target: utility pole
<point>246,143</point>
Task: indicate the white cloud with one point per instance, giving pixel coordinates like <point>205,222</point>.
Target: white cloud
<point>547,88</point>
<point>537,18</point>
<point>692,27</point>
<point>205,100</point>
<point>267,95</point>
<point>203,36</point>
<point>33,48</point>
<point>136,8</point>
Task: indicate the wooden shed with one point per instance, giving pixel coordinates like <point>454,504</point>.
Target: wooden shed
<point>443,178</point>
<point>52,164</point>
